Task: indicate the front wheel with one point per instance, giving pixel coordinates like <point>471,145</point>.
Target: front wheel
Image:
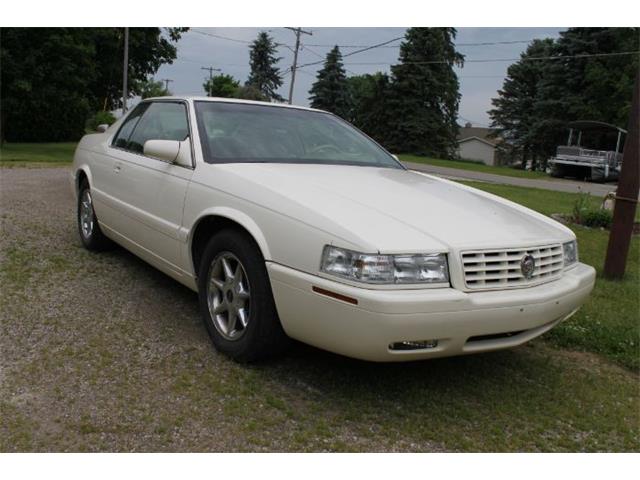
<point>90,234</point>
<point>236,299</point>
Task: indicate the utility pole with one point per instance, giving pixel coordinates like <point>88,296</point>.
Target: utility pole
<point>125,71</point>
<point>166,84</point>
<point>211,70</point>
<point>298,31</point>
<point>626,195</point>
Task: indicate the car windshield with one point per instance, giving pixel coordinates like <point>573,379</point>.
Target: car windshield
<point>237,132</point>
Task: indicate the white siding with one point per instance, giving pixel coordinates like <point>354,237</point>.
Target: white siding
<point>475,149</point>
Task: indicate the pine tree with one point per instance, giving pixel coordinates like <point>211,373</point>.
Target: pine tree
<point>425,93</point>
<point>370,110</point>
<point>539,97</point>
<point>331,89</point>
<point>264,76</point>
<point>514,112</point>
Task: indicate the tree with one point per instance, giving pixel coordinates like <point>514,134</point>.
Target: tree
<point>45,79</point>
<point>370,110</point>
<point>570,85</point>
<point>425,93</point>
<point>514,112</point>
<point>151,88</point>
<point>221,86</point>
<point>52,78</point>
<point>264,75</point>
<point>149,48</point>
<point>331,89</point>
<point>249,92</point>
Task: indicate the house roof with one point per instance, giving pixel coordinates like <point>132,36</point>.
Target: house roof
<point>468,139</point>
<point>480,133</point>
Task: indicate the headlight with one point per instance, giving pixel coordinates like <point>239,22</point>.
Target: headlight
<point>570,250</point>
<point>389,269</point>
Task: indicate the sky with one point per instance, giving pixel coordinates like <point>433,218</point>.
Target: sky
<point>479,81</point>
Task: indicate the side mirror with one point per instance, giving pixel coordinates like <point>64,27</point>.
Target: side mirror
<point>102,128</point>
<point>184,155</point>
<point>164,150</point>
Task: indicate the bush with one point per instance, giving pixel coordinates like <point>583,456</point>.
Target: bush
<point>100,118</point>
<point>581,207</point>
<point>585,214</point>
<point>597,218</point>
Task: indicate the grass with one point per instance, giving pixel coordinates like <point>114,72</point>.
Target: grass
<point>36,154</point>
<point>609,323</point>
<point>475,166</point>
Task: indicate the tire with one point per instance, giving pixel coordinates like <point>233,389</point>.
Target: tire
<point>242,285</point>
<point>91,236</point>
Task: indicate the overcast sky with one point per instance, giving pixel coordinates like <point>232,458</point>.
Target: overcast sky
<point>479,81</point>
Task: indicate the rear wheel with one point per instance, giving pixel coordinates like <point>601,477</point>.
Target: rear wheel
<point>90,234</point>
<point>236,299</point>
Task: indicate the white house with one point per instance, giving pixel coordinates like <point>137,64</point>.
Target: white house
<point>475,143</point>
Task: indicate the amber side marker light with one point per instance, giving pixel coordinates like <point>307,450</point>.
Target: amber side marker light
<point>335,295</point>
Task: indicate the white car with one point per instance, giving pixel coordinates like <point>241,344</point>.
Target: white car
<point>290,223</point>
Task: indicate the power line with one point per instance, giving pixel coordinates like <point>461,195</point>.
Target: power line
<point>489,60</point>
<point>222,37</point>
<point>364,49</point>
<point>306,47</point>
<point>475,44</point>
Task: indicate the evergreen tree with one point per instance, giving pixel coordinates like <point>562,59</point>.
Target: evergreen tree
<point>331,89</point>
<point>534,119</point>
<point>514,112</point>
<point>425,93</point>
<point>370,110</point>
<point>591,88</point>
<point>264,76</point>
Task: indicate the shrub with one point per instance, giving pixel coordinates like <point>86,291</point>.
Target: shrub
<point>101,117</point>
<point>580,207</point>
<point>597,218</point>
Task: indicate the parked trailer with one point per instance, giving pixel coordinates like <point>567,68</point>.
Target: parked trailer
<point>573,160</point>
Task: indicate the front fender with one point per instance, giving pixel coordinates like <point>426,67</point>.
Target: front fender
<point>234,215</point>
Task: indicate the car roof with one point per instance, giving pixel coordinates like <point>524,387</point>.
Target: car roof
<point>190,98</point>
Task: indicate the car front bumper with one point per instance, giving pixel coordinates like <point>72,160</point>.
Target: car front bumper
<point>454,318</point>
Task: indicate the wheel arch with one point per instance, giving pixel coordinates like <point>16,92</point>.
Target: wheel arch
<point>82,173</point>
<point>218,219</point>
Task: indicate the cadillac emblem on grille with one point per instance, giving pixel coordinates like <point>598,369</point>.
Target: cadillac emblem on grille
<point>527,266</point>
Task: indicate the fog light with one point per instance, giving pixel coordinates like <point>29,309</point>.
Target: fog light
<point>414,345</point>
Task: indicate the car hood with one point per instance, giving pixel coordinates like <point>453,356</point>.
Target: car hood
<point>393,210</point>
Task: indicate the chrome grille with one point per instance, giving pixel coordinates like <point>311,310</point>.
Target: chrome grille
<point>488,269</point>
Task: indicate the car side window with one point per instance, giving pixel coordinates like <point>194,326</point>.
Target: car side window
<point>161,121</point>
<point>122,137</point>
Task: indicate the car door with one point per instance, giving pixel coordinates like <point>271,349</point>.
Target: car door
<point>148,192</point>
<point>105,203</point>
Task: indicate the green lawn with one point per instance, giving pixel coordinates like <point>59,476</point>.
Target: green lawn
<point>609,323</point>
<point>475,166</point>
<point>34,154</point>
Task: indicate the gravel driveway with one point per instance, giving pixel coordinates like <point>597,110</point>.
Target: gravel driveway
<point>100,352</point>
